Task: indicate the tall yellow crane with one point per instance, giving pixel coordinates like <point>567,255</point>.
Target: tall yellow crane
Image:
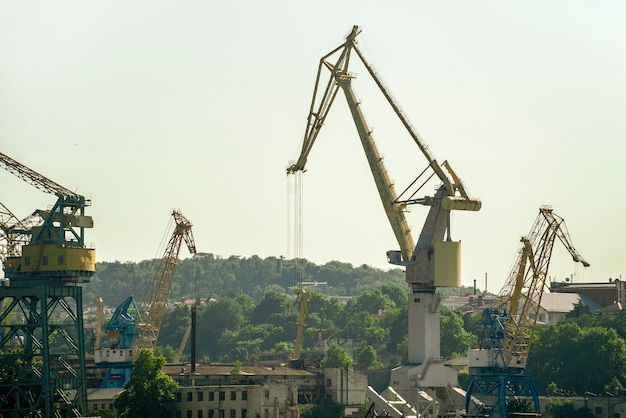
<point>498,365</point>
<point>153,309</point>
<point>435,259</point>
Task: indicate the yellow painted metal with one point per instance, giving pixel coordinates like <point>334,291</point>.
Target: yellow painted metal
<point>50,257</point>
<point>153,310</point>
<point>303,298</point>
<point>524,288</point>
<point>447,256</point>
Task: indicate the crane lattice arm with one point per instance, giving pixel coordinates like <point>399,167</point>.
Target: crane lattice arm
<point>524,288</point>
<point>32,177</point>
<point>153,310</point>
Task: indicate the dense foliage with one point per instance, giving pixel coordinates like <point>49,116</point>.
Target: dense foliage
<point>149,390</point>
<point>251,308</point>
<point>581,353</point>
<point>210,276</point>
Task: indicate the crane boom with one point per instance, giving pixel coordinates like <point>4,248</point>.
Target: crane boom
<point>452,194</point>
<point>434,260</point>
<point>32,177</point>
<point>153,310</point>
<point>524,289</point>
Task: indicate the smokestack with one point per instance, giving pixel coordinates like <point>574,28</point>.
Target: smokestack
<point>485,282</point>
<point>474,287</point>
<point>193,339</point>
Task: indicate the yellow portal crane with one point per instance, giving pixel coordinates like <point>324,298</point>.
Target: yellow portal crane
<point>435,259</point>
<point>524,288</point>
<point>498,365</point>
<point>153,309</point>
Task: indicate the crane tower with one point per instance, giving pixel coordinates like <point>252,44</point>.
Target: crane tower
<point>42,350</point>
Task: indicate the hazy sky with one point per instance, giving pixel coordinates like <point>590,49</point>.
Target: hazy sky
<point>146,106</point>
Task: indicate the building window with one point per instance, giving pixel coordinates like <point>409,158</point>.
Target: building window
<point>60,260</point>
<point>233,396</point>
<point>222,395</point>
<point>244,413</point>
<point>211,396</point>
<point>267,393</point>
<point>329,383</point>
<point>95,407</point>
<point>200,414</point>
<point>189,397</point>
<point>200,396</point>
<point>244,395</point>
<point>179,414</point>
<point>45,260</point>
<point>233,413</point>
<point>598,410</point>
<point>211,414</point>
<point>220,413</point>
<point>179,396</point>
<point>189,414</point>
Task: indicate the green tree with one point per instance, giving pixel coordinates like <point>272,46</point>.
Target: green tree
<point>148,391</point>
<point>337,357</point>
<point>273,303</point>
<point>577,371</point>
<point>455,341</point>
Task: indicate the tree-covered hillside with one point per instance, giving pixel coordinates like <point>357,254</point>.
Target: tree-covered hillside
<point>210,276</point>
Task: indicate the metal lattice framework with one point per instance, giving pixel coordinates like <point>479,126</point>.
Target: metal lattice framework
<point>153,310</point>
<point>507,333</point>
<point>42,350</point>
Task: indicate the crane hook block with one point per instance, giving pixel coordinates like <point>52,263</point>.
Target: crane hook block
<point>460,203</point>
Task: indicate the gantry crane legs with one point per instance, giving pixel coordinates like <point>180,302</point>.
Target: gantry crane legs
<point>42,348</point>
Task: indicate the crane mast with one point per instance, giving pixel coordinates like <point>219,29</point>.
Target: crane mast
<point>505,338</point>
<point>435,259</point>
<point>153,310</point>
